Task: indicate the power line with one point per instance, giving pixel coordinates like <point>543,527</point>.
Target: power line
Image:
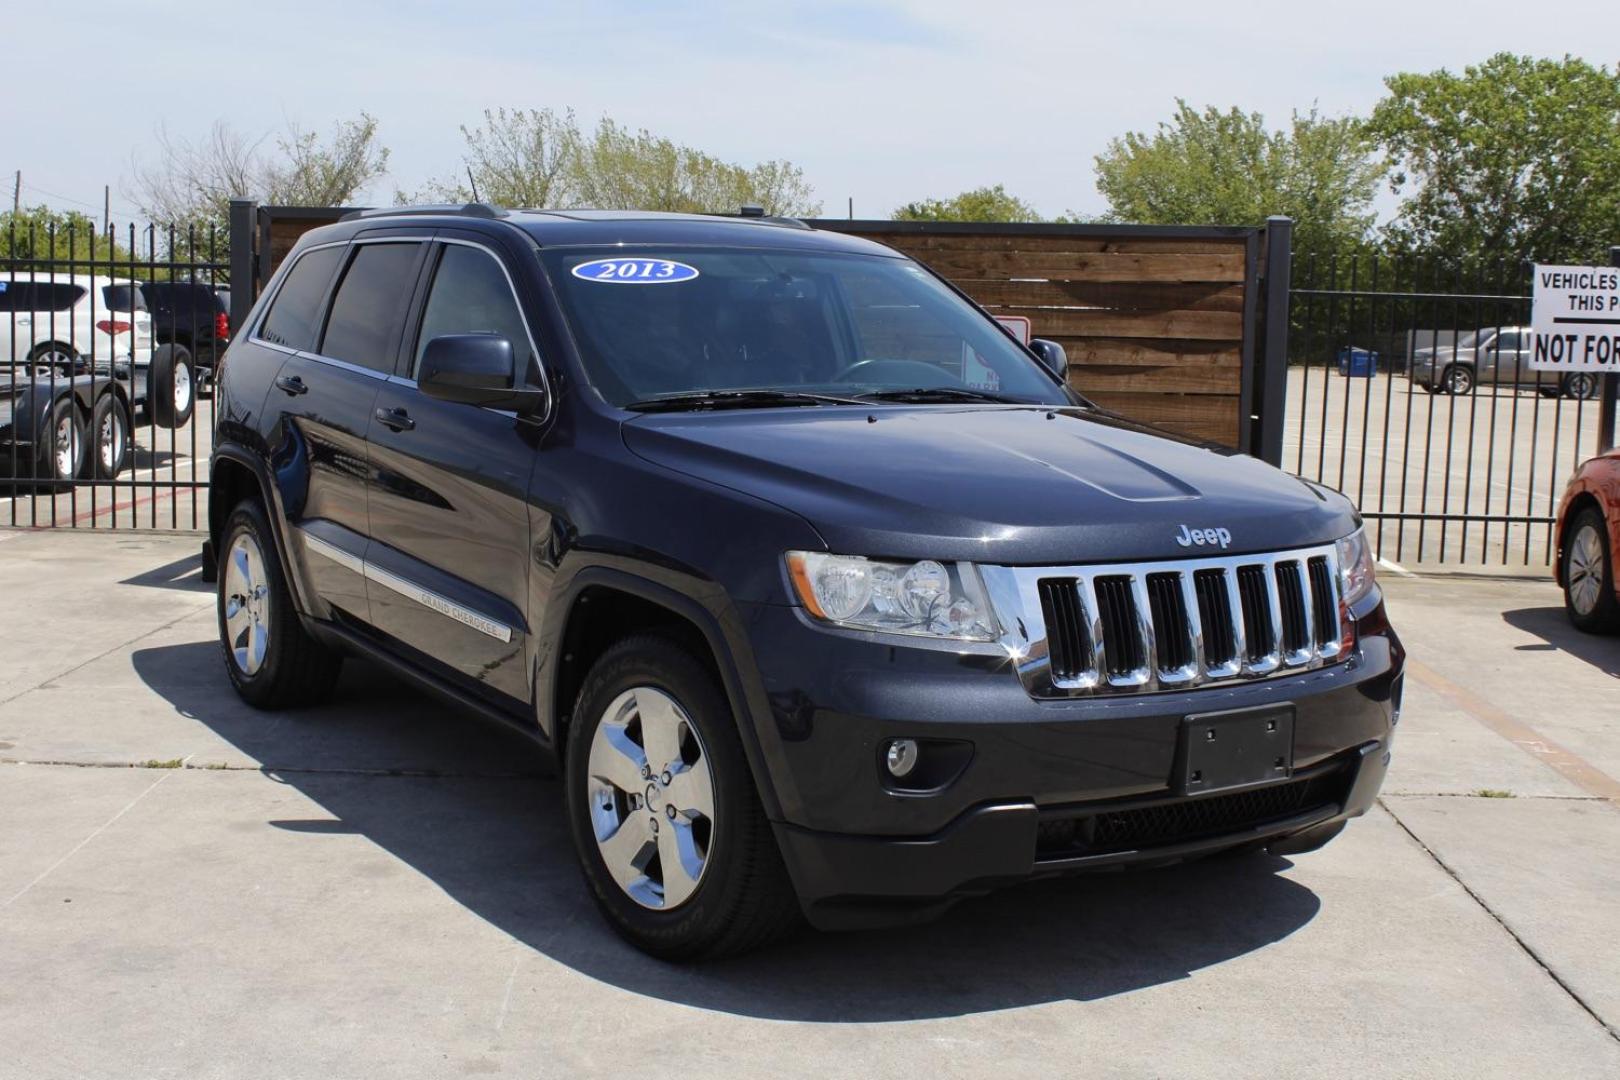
<point>77,202</point>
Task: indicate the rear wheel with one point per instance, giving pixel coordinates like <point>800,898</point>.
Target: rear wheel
<point>109,438</point>
<point>1589,575</point>
<point>55,356</point>
<point>270,658</point>
<point>1582,385</point>
<point>171,386</point>
<point>667,824</point>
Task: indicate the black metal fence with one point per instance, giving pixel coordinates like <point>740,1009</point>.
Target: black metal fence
<point>1409,389</point>
<point>108,344</point>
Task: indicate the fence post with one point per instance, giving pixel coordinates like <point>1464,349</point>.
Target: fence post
<point>1611,385</point>
<point>243,287</point>
<point>1271,387</point>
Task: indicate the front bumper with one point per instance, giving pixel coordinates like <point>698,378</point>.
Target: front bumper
<point>1022,788</point>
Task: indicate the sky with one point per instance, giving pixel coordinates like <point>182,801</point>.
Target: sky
<point>879,101</point>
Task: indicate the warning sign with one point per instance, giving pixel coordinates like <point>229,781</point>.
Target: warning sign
<point>1576,319</point>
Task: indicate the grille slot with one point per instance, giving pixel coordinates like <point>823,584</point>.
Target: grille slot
<point>1215,615</point>
<point>1296,637</point>
<point>1065,834</point>
<point>1258,631</point>
<point>1172,631</point>
<point>1324,602</point>
<point>1123,648</point>
<point>1068,641</point>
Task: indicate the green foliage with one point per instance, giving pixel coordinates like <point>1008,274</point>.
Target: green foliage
<point>66,238</point>
<point>1516,158</point>
<point>1227,168</point>
<point>979,204</point>
<point>541,158</point>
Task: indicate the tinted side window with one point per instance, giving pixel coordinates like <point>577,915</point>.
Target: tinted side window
<point>369,304</point>
<point>1508,341</point>
<point>290,322</point>
<point>471,296</point>
<point>38,295</point>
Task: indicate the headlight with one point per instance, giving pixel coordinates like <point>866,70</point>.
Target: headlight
<point>927,598</point>
<point>1355,566</point>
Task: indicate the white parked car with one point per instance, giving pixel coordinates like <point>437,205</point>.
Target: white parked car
<point>76,362</point>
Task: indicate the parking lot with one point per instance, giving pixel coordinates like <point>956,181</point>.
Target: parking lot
<point>1394,448</point>
<point>382,887</point>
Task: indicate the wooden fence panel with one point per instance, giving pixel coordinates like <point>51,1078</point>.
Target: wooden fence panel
<point>1154,320</point>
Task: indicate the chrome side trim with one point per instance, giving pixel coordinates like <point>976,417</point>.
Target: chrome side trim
<point>1014,592</point>
<point>407,588</point>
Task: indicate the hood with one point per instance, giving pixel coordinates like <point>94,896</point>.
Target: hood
<point>995,484</point>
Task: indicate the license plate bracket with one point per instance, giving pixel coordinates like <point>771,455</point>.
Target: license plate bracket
<point>1238,748</point>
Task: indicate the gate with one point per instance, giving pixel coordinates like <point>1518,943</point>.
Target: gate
<point>108,340</point>
<point>1408,388</point>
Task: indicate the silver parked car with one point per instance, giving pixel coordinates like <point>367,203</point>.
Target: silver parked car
<point>1495,355</point>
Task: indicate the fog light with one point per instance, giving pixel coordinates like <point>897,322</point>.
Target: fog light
<point>901,757</point>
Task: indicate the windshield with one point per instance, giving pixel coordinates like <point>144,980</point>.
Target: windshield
<point>666,321</point>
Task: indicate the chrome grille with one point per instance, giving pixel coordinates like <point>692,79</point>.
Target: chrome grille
<point>1142,627</point>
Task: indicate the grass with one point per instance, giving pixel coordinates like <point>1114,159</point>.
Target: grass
<point>1494,793</point>
<point>154,763</point>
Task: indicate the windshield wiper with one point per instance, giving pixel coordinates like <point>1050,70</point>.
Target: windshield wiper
<point>735,399</point>
<point>940,393</point>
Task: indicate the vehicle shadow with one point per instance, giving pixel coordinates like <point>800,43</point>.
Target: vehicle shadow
<point>470,806</point>
<point>184,574</point>
<point>1552,625</point>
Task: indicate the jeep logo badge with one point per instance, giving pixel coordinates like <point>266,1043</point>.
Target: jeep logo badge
<point>1189,537</point>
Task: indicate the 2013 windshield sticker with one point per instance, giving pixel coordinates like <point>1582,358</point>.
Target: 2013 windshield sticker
<point>635,271</point>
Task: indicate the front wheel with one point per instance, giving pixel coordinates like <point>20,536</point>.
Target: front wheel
<point>1589,575</point>
<point>1458,379</point>
<point>666,822</point>
<point>272,661</point>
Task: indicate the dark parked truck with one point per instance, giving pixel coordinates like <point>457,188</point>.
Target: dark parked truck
<point>829,598</point>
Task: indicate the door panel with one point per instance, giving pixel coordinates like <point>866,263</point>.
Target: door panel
<point>448,507</point>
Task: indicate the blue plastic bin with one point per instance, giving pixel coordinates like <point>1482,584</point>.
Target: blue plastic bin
<point>1357,363</point>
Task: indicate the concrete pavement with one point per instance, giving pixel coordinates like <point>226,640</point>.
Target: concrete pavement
<point>381,887</point>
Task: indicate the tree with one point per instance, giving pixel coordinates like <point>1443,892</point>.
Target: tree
<point>1227,168</point>
<point>68,238</point>
<point>539,158</point>
<point>1516,158</point>
<point>980,204</point>
<point>195,182</point>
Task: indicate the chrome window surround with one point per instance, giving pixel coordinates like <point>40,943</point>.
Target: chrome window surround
<point>1015,594</point>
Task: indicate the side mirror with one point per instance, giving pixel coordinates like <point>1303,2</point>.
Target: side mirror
<point>475,369</point>
<point>1051,354</point>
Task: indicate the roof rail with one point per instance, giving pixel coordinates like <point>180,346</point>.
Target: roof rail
<point>472,209</point>
<point>753,212</point>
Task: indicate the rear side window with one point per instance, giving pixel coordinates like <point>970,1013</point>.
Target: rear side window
<point>471,296</point>
<point>38,295</point>
<point>290,322</point>
<point>369,305</point>
<point>123,298</point>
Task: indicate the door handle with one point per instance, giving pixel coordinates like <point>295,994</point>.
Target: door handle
<point>395,419</point>
<point>292,385</point>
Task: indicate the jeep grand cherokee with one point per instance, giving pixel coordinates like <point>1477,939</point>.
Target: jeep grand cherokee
<point>830,599</point>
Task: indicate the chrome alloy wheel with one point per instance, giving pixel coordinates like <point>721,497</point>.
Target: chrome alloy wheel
<point>67,447</point>
<point>651,798</point>
<point>247,605</point>
<point>182,388</point>
<point>1585,570</point>
<point>110,442</point>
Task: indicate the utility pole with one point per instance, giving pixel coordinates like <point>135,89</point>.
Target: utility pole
<point>106,206</point>
<point>852,208</point>
<point>16,195</point>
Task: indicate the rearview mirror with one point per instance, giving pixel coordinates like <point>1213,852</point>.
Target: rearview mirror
<point>475,369</point>
<point>1052,355</point>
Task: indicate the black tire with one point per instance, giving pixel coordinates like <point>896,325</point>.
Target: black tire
<point>1457,379</point>
<point>63,357</point>
<point>1599,614</point>
<point>171,386</point>
<point>291,668</point>
<point>109,436</point>
<point>743,898</point>
<point>59,464</point>
<point>1581,385</point>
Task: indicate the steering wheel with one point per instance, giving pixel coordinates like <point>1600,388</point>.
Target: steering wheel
<point>913,373</point>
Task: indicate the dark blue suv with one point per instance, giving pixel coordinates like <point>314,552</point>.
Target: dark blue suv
<point>830,598</point>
